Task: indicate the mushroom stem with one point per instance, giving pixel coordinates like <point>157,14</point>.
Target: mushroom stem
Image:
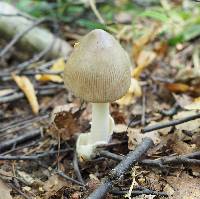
<point>100,123</point>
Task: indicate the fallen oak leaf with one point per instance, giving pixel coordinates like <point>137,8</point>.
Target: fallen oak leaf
<point>27,87</point>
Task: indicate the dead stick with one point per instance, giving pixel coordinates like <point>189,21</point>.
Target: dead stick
<point>33,156</point>
<point>20,35</point>
<point>188,159</point>
<point>19,139</point>
<point>171,123</point>
<point>116,173</point>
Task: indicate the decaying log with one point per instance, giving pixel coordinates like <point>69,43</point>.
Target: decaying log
<point>13,23</point>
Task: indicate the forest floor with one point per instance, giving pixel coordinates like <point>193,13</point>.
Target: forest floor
<point>40,120</point>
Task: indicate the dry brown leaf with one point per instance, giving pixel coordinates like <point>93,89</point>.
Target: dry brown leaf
<point>4,191</point>
<point>58,66</point>
<point>177,87</point>
<point>54,184</point>
<point>145,58</point>
<point>185,186</point>
<point>182,148</point>
<point>135,137</point>
<point>64,124</point>
<point>134,91</point>
<point>27,87</point>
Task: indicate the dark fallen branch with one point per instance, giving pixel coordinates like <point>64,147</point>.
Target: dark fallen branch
<point>121,168</point>
<point>20,35</point>
<point>188,159</point>
<point>139,192</point>
<point>19,139</point>
<point>171,123</point>
<point>34,156</point>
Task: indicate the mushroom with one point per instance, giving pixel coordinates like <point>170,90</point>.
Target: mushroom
<point>97,71</point>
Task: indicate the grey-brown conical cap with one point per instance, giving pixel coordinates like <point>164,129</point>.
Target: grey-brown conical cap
<point>98,69</point>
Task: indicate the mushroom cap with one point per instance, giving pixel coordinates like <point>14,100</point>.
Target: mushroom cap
<point>98,70</point>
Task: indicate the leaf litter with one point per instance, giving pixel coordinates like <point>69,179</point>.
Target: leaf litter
<point>165,63</point>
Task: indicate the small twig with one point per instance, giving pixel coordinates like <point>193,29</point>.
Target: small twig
<point>19,139</point>
<point>60,173</point>
<point>111,145</point>
<point>76,168</point>
<point>33,156</point>
<point>96,12</point>
<point>121,168</point>
<point>188,159</point>
<point>20,192</point>
<point>143,117</point>
<point>36,57</point>
<point>171,123</point>
<point>29,121</point>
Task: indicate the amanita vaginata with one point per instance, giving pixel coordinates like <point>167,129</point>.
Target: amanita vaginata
<point>97,71</point>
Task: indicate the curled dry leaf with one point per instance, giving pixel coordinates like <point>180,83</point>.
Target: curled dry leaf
<point>134,91</point>
<point>5,191</point>
<point>27,87</point>
<point>63,123</point>
<point>58,66</point>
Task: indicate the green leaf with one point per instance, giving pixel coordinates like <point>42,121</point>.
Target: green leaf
<point>154,14</point>
<point>90,24</point>
<point>191,32</point>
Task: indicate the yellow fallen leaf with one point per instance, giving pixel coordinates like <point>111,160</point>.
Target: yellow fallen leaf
<point>46,78</point>
<point>27,87</point>
<point>134,91</point>
<point>58,66</point>
<point>197,99</point>
<point>145,58</point>
<point>144,39</point>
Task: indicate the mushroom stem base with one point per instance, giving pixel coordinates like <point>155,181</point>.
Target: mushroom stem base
<point>86,150</point>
